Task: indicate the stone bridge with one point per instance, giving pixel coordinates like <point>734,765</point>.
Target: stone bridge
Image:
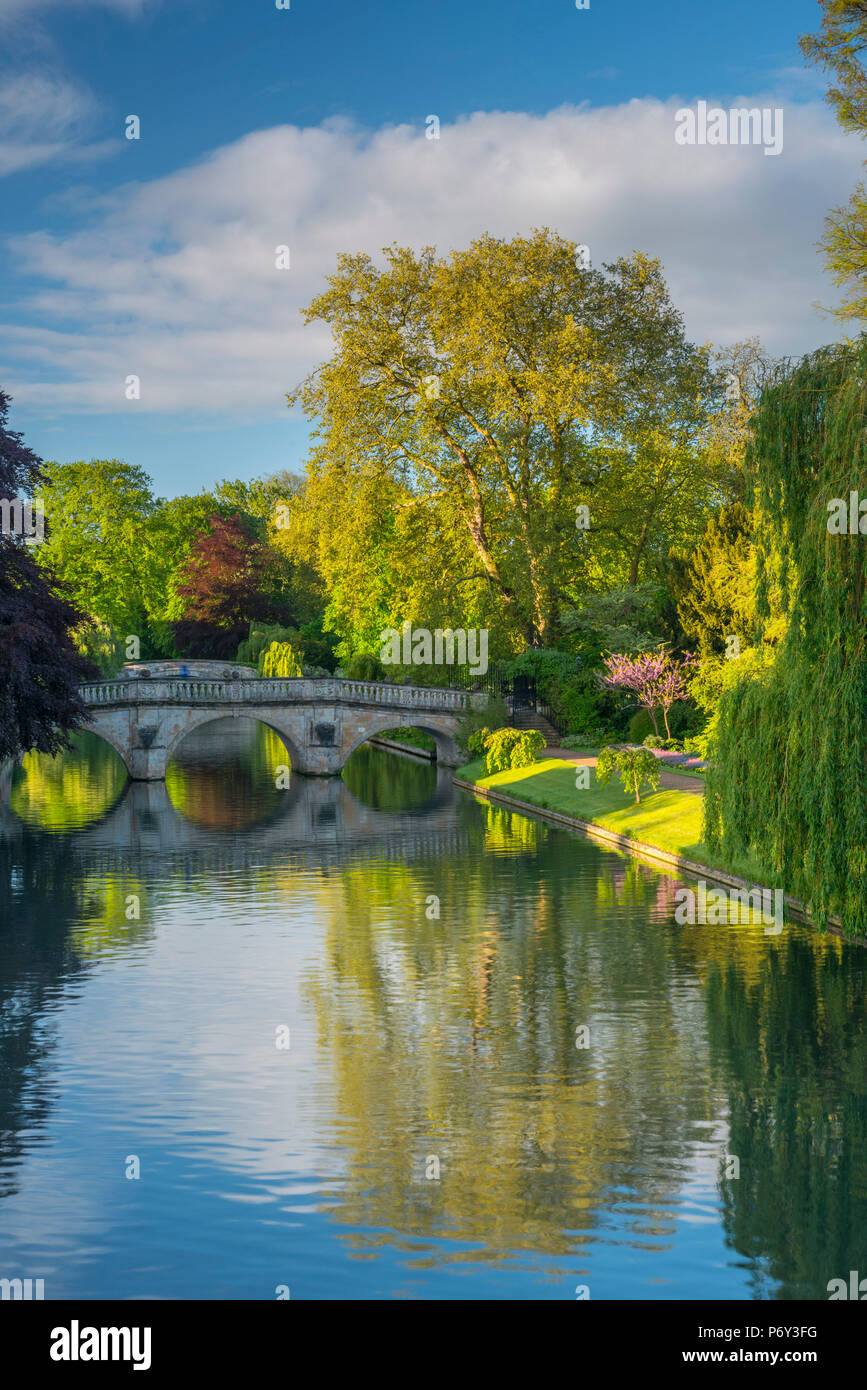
<point>321,722</point>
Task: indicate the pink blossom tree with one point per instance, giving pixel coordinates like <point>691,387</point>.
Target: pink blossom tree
<point>656,678</point>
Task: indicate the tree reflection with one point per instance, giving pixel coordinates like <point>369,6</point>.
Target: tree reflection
<point>223,775</point>
<point>374,779</point>
<point>456,1038</point>
<point>71,790</point>
<point>790,1045</point>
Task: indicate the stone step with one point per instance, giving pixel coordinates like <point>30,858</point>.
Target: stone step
<point>531,719</point>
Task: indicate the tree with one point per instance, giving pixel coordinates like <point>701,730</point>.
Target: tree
<point>281,659</point>
<point>624,619</point>
<point>656,678</point>
<point>99,541</point>
<point>743,370</point>
<point>482,399</point>
<point>222,588</point>
<point>40,667</point>
<point>716,595</point>
<point>633,765</point>
<point>787,781</point>
<point>837,49</point>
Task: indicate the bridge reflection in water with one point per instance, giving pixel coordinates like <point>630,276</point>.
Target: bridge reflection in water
<point>220,804</point>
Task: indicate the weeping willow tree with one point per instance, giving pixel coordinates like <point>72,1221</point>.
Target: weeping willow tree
<point>281,660</point>
<point>788,781</point>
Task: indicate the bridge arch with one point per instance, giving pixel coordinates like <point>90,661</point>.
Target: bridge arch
<point>116,742</point>
<point>197,719</point>
<point>441,729</point>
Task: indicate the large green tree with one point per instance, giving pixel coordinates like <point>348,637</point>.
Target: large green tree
<point>99,541</point>
<point>838,49</point>
<point>474,403</point>
<point>121,552</point>
<point>716,598</point>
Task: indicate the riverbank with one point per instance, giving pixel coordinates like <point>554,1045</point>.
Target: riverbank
<point>665,827</point>
<point>404,749</point>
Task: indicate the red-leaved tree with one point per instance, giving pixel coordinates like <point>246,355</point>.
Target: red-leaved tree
<point>224,587</point>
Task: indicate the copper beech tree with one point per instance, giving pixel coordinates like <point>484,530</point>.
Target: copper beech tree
<point>223,588</point>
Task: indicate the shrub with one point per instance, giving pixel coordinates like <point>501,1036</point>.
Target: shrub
<point>545,665</point>
<point>575,741</point>
<point>101,644</point>
<point>493,716</point>
<point>317,646</point>
<point>281,660</point>
<point>672,745</point>
<point>640,725</point>
<point>477,741</point>
<point>577,700</point>
<point>632,765</point>
<point>653,741</point>
<point>512,748</point>
<point>251,652</point>
<point>364,667</point>
<point>697,745</point>
<point>684,718</point>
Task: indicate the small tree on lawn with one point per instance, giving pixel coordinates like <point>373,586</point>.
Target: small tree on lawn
<point>656,678</point>
<point>633,766</point>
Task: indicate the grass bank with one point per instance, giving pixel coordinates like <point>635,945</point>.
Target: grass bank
<point>668,820</point>
<point>416,738</point>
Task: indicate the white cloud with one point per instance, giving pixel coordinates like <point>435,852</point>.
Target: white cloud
<point>42,117</point>
<point>174,280</point>
<point>30,7</point>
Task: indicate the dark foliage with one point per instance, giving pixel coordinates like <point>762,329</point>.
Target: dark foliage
<point>40,668</point>
<point>224,587</point>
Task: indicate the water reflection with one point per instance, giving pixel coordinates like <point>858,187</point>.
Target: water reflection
<point>371,778</point>
<point>70,790</point>
<point>224,776</point>
<point>440,965</point>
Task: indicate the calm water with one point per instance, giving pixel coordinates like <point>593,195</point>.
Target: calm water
<point>161,944</point>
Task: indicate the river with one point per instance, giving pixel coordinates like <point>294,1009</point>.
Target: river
<point>366,1037</point>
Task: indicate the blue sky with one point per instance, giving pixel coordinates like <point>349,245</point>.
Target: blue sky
<point>307,127</point>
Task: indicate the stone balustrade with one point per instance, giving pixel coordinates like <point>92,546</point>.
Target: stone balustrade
<point>190,690</point>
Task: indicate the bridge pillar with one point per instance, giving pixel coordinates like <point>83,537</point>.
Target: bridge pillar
<point>140,736</point>
<point>320,762</point>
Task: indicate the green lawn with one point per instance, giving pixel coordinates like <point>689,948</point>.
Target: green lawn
<point>669,820</point>
<point>416,737</point>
